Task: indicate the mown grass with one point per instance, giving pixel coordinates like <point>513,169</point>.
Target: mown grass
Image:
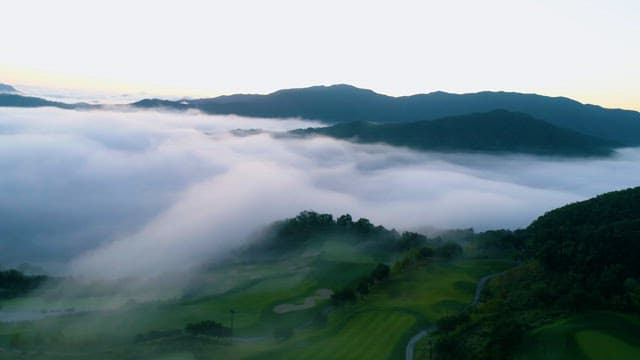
<point>602,335</point>
<point>365,335</point>
<point>385,319</point>
<point>376,327</point>
<point>599,345</point>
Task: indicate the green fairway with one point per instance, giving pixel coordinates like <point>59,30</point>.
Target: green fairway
<point>435,289</point>
<point>597,345</point>
<point>366,335</point>
<point>592,336</point>
<point>379,326</point>
<point>376,327</point>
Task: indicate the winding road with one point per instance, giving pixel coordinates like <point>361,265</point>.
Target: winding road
<point>411,345</point>
<point>481,283</point>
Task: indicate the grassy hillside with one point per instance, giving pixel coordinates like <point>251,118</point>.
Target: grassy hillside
<point>495,131</point>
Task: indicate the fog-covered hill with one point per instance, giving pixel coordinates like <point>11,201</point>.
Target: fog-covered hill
<point>495,131</point>
<point>344,103</point>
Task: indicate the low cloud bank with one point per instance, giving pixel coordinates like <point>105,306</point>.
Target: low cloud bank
<point>123,193</point>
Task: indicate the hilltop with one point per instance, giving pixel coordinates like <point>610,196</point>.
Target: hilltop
<point>4,88</point>
<point>496,131</point>
<point>345,103</point>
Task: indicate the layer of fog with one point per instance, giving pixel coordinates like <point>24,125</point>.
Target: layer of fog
<point>85,96</point>
<point>123,193</point>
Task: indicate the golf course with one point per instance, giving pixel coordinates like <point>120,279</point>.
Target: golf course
<point>315,287</point>
<point>281,309</point>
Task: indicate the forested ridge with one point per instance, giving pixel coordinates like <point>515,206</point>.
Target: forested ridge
<point>498,131</point>
<point>578,258</point>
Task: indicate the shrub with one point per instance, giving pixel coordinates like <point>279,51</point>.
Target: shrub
<point>283,333</point>
<point>451,322</point>
<point>209,328</point>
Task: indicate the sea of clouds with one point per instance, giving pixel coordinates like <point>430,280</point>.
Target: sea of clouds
<point>119,193</point>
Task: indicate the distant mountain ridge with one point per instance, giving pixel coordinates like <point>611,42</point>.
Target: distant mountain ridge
<point>495,131</point>
<point>345,103</point>
<point>15,100</point>
<point>4,88</point>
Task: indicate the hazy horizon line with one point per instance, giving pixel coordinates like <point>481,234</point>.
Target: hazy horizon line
<point>74,93</point>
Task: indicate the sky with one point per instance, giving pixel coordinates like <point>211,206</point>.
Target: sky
<point>583,49</point>
<point>121,193</point>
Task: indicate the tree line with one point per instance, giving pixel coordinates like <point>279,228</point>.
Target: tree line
<point>580,257</point>
<point>209,328</point>
<point>381,272</point>
<point>14,283</point>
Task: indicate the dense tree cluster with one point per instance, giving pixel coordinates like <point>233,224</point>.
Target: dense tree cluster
<point>449,250</point>
<point>412,258</point>
<point>309,226</point>
<point>15,283</point>
<point>346,295</point>
<point>450,322</point>
<point>576,258</point>
<point>500,241</point>
<point>410,240</point>
<point>592,246</point>
<point>381,272</point>
<point>349,294</point>
<point>208,328</point>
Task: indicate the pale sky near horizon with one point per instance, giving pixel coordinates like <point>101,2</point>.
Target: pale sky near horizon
<point>584,49</point>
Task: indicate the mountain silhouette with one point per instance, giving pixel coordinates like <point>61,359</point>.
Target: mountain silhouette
<point>496,131</point>
<point>345,103</point>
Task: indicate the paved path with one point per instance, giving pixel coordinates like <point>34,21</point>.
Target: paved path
<point>411,346</point>
<point>481,283</point>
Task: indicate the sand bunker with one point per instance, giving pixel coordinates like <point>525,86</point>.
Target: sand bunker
<point>309,302</point>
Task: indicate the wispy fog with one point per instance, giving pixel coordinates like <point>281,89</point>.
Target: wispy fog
<point>123,193</point>
<point>86,96</point>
